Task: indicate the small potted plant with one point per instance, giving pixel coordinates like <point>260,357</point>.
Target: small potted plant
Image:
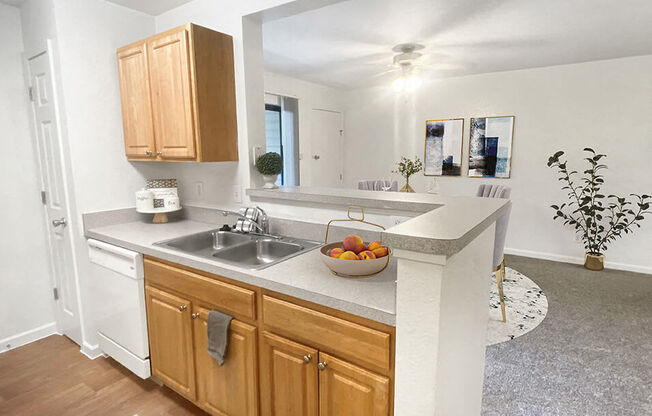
<point>596,218</point>
<point>270,165</point>
<point>407,168</point>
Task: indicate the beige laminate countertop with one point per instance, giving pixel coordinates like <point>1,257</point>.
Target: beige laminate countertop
<point>445,226</point>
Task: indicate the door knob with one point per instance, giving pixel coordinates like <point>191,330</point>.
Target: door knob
<point>195,315</point>
<point>307,358</point>
<point>60,222</point>
<point>322,366</point>
<point>183,308</point>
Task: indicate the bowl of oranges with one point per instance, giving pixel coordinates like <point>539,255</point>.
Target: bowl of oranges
<point>353,258</point>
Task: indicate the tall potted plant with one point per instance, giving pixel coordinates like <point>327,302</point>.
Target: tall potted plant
<point>270,165</point>
<point>407,168</point>
<point>597,218</point>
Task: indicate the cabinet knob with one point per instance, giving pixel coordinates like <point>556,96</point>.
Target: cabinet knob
<point>307,358</point>
<point>195,315</point>
<point>183,308</point>
<point>148,152</point>
<point>159,153</point>
<point>322,366</point>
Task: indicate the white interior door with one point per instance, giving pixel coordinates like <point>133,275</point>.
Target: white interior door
<point>326,148</point>
<point>55,195</point>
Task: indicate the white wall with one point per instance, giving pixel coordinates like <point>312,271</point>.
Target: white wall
<point>38,24</point>
<point>89,33</point>
<point>605,105</point>
<point>25,298</point>
<point>310,96</point>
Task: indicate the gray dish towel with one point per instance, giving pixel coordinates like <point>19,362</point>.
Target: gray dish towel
<point>218,334</point>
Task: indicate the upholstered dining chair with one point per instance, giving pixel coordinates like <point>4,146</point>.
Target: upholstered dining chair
<point>498,191</point>
<point>378,185</point>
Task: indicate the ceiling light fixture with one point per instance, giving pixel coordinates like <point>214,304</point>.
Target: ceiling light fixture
<point>408,80</point>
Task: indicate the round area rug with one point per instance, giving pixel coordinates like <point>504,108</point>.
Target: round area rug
<point>525,306</point>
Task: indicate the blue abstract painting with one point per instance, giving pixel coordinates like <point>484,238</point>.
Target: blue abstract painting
<point>490,147</point>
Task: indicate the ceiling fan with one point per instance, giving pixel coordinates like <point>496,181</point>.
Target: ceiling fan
<point>406,61</point>
<point>409,62</point>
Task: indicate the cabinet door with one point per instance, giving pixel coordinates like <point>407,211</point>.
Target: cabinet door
<point>230,389</point>
<point>169,68</point>
<point>345,389</point>
<point>170,341</point>
<point>136,102</point>
<point>288,378</point>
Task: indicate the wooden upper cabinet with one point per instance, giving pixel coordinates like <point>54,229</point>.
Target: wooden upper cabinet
<point>136,104</point>
<point>170,340</point>
<point>172,105</point>
<point>288,378</point>
<point>230,389</point>
<point>346,389</point>
<point>189,83</point>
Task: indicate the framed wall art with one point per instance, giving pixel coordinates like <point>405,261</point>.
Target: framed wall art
<point>490,147</point>
<point>443,148</point>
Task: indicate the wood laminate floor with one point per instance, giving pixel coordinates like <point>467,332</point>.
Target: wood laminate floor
<point>51,377</point>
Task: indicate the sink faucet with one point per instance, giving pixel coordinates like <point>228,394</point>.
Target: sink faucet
<point>264,220</point>
<point>261,223</point>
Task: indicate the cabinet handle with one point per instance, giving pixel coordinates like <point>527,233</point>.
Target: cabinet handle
<point>183,308</point>
<point>307,358</point>
<point>148,152</point>
<point>195,315</point>
<point>322,366</point>
<point>159,153</point>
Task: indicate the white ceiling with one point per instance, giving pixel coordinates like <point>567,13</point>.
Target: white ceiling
<point>349,44</point>
<point>153,7</point>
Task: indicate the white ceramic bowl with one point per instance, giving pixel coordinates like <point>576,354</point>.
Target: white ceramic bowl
<point>352,268</point>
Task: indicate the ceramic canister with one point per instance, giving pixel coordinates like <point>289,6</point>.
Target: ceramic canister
<point>144,200</point>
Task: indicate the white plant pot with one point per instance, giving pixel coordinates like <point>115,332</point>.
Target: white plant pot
<point>270,181</point>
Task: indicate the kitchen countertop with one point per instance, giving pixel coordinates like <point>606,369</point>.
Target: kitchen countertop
<point>446,225</point>
<point>303,276</point>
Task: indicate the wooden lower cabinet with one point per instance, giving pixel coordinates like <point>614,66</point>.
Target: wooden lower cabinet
<point>297,380</point>
<point>170,340</point>
<point>288,378</point>
<point>285,357</point>
<point>346,389</point>
<point>230,389</point>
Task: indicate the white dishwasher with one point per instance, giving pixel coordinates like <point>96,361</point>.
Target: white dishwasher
<point>120,305</point>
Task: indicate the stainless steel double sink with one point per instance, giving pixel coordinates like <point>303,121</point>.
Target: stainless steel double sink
<point>253,251</point>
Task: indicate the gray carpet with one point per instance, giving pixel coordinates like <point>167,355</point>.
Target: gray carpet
<point>592,355</point>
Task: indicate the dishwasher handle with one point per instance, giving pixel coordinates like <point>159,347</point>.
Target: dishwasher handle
<point>126,262</point>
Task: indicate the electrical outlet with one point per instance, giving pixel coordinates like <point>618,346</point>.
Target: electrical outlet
<point>199,190</point>
<point>237,195</point>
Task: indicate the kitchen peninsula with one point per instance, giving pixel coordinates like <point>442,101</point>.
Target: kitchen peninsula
<point>427,310</point>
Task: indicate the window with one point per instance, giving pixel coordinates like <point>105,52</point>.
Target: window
<point>273,134</point>
<point>282,135</point>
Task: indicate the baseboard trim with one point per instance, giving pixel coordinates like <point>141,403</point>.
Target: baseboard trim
<point>91,351</point>
<point>577,260</point>
<point>26,337</point>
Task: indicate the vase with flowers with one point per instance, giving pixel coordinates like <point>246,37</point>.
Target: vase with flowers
<point>407,168</point>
